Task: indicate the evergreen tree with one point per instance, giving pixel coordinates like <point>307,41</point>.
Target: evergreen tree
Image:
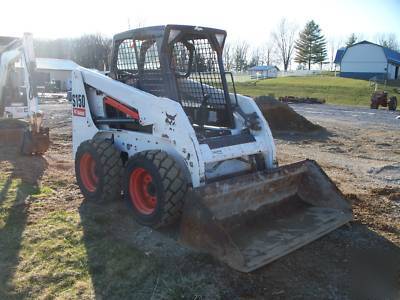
<point>351,40</point>
<point>311,45</point>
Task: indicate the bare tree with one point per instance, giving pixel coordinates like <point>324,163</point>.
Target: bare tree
<point>388,40</point>
<point>59,48</point>
<point>352,39</point>
<point>334,45</point>
<point>269,51</point>
<point>228,57</point>
<point>284,37</point>
<point>240,52</point>
<point>263,55</point>
<point>256,57</point>
<point>92,51</point>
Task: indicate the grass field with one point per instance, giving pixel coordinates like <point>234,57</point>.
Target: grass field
<point>51,247</point>
<point>335,90</point>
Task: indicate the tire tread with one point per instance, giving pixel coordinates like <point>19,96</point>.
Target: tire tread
<point>110,159</point>
<point>173,181</point>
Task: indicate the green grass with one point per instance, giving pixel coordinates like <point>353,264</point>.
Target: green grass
<point>48,250</point>
<point>335,90</point>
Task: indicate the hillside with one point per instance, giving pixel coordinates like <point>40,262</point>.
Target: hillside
<point>335,90</point>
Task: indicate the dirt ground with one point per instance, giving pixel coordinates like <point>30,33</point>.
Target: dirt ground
<point>358,261</point>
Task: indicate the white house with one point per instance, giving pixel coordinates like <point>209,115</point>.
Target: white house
<point>262,72</point>
<point>365,60</point>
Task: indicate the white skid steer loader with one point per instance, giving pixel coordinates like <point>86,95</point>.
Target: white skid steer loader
<point>163,128</point>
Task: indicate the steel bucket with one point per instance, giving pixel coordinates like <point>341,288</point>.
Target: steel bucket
<point>250,220</point>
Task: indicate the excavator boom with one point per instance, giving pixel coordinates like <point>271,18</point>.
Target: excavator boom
<point>20,118</point>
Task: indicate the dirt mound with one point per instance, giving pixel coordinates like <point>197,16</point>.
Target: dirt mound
<point>282,118</point>
<point>308,100</point>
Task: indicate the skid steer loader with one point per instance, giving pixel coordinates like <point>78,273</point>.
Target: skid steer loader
<point>167,129</point>
<point>21,121</point>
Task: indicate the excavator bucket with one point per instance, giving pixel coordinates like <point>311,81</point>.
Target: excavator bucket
<point>250,220</point>
<point>35,142</point>
<point>16,133</point>
<point>12,132</point>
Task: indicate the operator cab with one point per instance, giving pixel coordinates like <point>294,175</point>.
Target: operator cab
<point>183,63</point>
<point>13,98</point>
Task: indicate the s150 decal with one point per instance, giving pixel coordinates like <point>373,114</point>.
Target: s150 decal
<point>78,105</point>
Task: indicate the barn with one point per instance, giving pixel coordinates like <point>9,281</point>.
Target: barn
<point>366,60</point>
<point>263,72</point>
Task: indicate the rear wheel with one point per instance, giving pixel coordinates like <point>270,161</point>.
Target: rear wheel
<point>392,105</point>
<point>98,168</point>
<point>155,187</point>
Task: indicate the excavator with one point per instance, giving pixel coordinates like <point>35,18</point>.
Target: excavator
<point>21,121</point>
<point>166,129</point>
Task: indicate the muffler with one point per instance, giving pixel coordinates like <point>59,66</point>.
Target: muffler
<point>250,220</point>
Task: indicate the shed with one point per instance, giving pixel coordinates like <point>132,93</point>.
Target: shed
<point>54,70</point>
<point>366,60</point>
<point>263,72</point>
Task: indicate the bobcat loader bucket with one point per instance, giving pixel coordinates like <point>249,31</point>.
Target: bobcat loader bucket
<point>250,220</point>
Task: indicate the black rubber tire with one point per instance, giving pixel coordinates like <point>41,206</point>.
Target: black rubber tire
<point>108,170</point>
<point>170,187</point>
<point>392,105</point>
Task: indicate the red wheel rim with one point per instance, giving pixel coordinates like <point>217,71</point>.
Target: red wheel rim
<point>142,191</point>
<point>87,168</point>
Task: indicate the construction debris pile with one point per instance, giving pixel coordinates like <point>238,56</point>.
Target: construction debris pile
<point>293,99</point>
<point>282,118</point>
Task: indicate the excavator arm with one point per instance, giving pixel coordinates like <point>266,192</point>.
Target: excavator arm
<point>33,137</point>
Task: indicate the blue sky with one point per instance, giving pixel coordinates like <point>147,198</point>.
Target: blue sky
<point>244,20</point>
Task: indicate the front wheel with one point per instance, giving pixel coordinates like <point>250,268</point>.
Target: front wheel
<point>98,168</point>
<point>154,187</point>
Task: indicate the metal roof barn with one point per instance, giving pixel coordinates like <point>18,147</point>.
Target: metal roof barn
<point>366,60</point>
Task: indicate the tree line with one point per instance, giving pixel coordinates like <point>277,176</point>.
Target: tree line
<point>306,47</point>
<point>89,51</point>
